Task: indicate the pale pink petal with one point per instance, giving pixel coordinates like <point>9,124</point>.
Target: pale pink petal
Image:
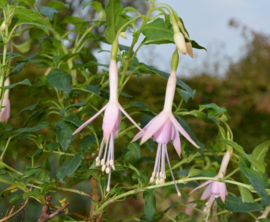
<point>202,185</point>
<point>116,126</point>
<point>181,130</point>
<point>90,120</point>
<point>176,142</point>
<point>222,191</point>
<point>140,134</point>
<point>128,116</point>
<point>164,133</point>
<point>154,126</point>
<point>111,115</point>
<point>5,112</point>
<point>206,193</point>
<point>215,188</point>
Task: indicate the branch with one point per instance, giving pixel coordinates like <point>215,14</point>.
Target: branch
<point>21,208</point>
<point>95,197</point>
<point>46,214</point>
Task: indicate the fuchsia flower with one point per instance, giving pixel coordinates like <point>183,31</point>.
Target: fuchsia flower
<point>165,128</point>
<point>215,189</point>
<point>110,126</point>
<point>5,112</point>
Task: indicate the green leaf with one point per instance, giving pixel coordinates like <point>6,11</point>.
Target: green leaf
<point>190,132</point>
<point>157,31</point>
<point>60,79</point>
<point>257,164</point>
<point>94,89</point>
<point>69,166</point>
<point>246,195</point>
<point>136,104</point>
<point>28,16</point>
<point>24,82</point>
<point>213,109</point>
<point>3,3</point>
<point>150,144</point>
<point>114,20</point>
<point>62,111</point>
<point>220,146</point>
<point>150,204</point>
<point>260,151</point>
<point>58,5</point>
<point>185,95</point>
<point>41,101</point>
<point>257,182</point>
<point>33,129</point>
<point>64,131</point>
<point>23,47</point>
<point>195,44</point>
<point>194,172</point>
<point>264,220</point>
<point>237,147</point>
<point>44,175</point>
<point>47,11</point>
<point>87,142</point>
<point>235,204</point>
<point>96,5</point>
<point>133,153</point>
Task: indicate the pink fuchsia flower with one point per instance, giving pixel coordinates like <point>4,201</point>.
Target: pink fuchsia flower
<point>110,126</point>
<point>5,112</point>
<point>165,128</point>
<point>215,189</point>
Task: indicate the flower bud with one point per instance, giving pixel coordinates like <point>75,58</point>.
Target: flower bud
<point>180,43</point>
<point>123,35</point>
<point>3,26</point>
<point>114,49</point>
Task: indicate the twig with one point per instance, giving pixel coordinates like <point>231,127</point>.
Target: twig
<point>100,217</point>
<point>95,197</point>
<point>10,212</point>
<point>46,214</point>
<point>21,208</point>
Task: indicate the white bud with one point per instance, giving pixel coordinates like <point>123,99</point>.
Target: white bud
<point>3,26</point>
<point>123,35</point>
<point>180,43</point>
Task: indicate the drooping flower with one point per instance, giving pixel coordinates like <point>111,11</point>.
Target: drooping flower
<point>215,189</point>
<point>165,128</point>
<point>110,126</point>
<point>5,112</point>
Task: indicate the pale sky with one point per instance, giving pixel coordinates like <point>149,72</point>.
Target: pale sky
<point>207,23</point>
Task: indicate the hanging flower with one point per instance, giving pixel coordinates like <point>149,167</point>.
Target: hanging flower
<point>110,126</point>
<point>165,128</point>
<point>5,112</point>
<point>215,189</point>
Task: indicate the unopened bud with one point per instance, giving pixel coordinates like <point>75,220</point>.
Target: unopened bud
<point>189,49</point>
<point>123,35</point>
<point>3,26</point>
<point>180,43</point>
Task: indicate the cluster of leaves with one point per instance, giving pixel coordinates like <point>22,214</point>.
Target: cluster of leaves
<point>72,89</point>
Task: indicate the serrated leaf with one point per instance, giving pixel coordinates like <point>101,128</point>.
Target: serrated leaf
<point>60,79</point>
<point>157,31</point>
<point>213,109</point>
<point>69,167</point>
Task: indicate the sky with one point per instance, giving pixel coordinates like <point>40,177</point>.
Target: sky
<point>207,23</point>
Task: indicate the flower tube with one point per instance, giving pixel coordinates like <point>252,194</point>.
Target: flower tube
<point>5,112</point>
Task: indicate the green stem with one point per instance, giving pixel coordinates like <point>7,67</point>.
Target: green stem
<point>10,168</point>
<point>181,181</point>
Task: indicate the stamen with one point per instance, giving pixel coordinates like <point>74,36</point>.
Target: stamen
<point>108,184</point>
<point>158,165</point>
<point>104,156</point>
<point>162,173</point>
<point>152,179</point>
<point>178,192</point>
